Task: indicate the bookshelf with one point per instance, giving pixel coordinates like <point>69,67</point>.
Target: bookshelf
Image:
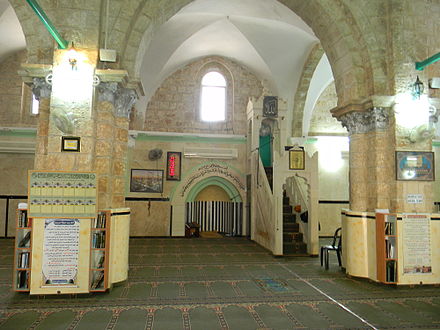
<point>22,251</point>
<point>99,251</point>
<point>386,248</point>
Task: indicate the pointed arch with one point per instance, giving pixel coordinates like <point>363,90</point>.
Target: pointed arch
<point>227,186</point>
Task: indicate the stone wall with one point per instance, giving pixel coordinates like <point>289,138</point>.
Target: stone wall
<point>15,97</point>
<point>174,106</point>
<point>322,122</point>
<point>151,211</point>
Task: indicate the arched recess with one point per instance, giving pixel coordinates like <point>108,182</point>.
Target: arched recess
<point>219,173</point>
<point>227,186</point>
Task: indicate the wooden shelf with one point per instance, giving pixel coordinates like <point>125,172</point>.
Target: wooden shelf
<point>22,252</point>
<point>386,248</point>
<point>99,252</point>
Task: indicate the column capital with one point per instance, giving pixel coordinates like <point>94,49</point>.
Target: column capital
<point>125,99</point>
<point>41,88</point>
<point>122,98</point>
<point>358,122</point>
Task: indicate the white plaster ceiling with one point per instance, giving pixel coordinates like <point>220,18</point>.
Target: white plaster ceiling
<point>11,35</point>
<point>321,78</point>
<point>262,35</point>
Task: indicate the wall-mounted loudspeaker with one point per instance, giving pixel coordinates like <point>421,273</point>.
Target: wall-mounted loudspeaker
<point>434,83</point>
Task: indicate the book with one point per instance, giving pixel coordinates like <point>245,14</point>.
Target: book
<point>23,260</point>
<point>99,221</point>
<point>25,240</point>
<point>22,279</point>
<point>100,263</point>
<point>391,271</point>
<point>98,280</point>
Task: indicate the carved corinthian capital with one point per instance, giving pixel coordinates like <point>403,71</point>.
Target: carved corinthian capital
<point>122,99</point>
<point>41,88</point>
<point>125,99</point>
<point>106,91</point>
<point>363,122</point>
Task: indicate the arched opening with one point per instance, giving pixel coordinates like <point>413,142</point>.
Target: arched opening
<point>215,205</point>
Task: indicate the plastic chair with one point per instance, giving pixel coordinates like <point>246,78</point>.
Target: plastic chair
<point>335,246</point>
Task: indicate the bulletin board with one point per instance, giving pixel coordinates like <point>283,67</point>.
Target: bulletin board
<point>62,194</point>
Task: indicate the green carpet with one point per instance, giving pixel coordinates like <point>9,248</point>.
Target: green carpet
<point>222,283</point>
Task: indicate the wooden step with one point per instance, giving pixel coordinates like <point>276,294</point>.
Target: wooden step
<point>287,208</point>
<point>292,237</point>
<point>291,227</point>
<point>294,248</point>
<point>289,217</point>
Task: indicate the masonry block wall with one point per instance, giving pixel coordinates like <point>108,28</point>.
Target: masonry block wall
<point>15,97</point>
<point>322,122</point>
<point>175,104</point>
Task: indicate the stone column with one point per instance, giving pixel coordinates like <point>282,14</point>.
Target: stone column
<point>372,145</point>
<point>113,111</point>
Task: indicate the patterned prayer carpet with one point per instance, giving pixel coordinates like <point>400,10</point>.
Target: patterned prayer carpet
<point>223,283</point>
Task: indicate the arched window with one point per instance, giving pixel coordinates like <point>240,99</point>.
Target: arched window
<point>213,97</point>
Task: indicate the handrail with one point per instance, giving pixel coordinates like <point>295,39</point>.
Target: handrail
<point>301,194</point>
<point>62,43</point>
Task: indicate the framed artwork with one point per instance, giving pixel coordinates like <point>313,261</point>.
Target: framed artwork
<point>415,166</point>
<point>174,165</point>
<point>149,181</point>
<point>296,159</point>
<point>270,106</point>
<point>70,144</point>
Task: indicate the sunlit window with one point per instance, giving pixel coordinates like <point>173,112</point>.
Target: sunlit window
<point>213,97</point>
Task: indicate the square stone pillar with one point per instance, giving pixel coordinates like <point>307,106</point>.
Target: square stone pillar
<point>68,107</point>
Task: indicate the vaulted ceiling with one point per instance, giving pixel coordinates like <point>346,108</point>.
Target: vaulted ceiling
<point>11,34</point>
<point>262,35</point>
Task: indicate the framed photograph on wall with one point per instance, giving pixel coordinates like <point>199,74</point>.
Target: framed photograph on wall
<point>174,165</point>
<point>296,159</point>
<point>148,181</point>
<point>415,166</point>
<point>70,144</point>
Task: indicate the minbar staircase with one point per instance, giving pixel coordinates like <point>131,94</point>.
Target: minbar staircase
<point>292,239</point>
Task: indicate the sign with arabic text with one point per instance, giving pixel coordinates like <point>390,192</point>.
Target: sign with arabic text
<point>62,194</point>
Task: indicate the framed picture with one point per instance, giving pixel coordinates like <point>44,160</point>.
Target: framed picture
<point>70,144</point>
<point>296,159</point>
<point>149,181</point>
<point>415,166</point>
<point>174,166</point>
<point>270,106</point>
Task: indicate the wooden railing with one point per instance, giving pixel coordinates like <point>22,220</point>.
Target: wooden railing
<point>296,189</point>
<point>264,217</point>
